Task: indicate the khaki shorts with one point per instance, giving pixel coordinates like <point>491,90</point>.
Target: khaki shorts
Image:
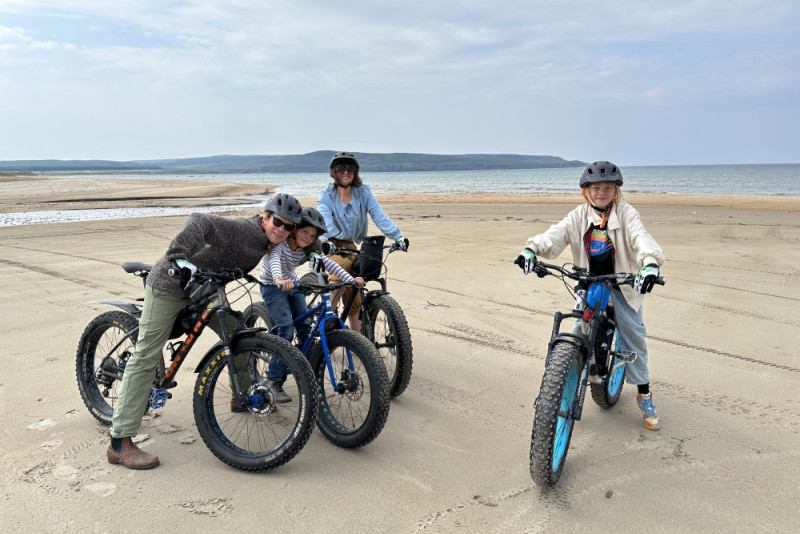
<point>346,263</point>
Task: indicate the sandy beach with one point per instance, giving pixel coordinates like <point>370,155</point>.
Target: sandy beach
<point>453,456</point>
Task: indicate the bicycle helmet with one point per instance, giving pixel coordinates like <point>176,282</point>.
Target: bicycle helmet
<point>311,217</point>
<point>285,206</point>
<point>343,157</point>
<point>601,171</point>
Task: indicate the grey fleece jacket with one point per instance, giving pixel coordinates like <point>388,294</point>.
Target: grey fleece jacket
<point>214,243</point>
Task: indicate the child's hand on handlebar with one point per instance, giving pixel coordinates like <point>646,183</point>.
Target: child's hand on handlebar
<point>285,285</point>
<point>359,281</point>
<point>526,260</point>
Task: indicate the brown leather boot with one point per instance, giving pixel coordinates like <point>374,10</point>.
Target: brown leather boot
<point>131,456</point>
<point>236,407</point>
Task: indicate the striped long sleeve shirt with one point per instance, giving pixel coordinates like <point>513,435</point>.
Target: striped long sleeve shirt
<point>282,261</point>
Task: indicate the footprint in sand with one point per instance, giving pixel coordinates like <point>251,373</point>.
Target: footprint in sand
<point>50,445</point>
<point>103,489</point>
<point>42,424</point>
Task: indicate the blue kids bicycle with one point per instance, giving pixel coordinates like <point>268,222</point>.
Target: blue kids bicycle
<point>352,384</point>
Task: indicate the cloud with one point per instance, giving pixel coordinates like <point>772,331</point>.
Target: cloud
<point>430,76</point>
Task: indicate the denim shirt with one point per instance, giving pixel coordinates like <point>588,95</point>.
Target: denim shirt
<point>349,221</point>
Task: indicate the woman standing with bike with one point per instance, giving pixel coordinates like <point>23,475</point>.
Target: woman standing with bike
<point>344,205</point>
<point>206,242</point>
<point>606,236</point>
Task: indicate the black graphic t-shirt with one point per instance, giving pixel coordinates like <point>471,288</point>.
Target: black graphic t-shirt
<point>600,250</point>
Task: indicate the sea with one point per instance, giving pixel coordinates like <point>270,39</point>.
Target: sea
<point>753,179</point>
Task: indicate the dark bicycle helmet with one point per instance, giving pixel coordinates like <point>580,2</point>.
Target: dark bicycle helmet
<point>341,157</point>
<point>285,206</point>
<point>311,217</point>
<point>601,171</point>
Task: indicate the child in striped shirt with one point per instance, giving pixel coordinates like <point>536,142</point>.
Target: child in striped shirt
<point>282,299</point>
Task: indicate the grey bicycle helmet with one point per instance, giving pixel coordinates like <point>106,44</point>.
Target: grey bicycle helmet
<point>285,206</point>
<point>342,157</point>
<point>601,171</point>
<point>311,217</point>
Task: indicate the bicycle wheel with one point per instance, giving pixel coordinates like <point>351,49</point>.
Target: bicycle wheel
<point>355,412</point>
<point>263,435</point>
<point>553,421</point>
<point>257,315</point>
<point>607,393</point>
<point>103,350</point>
<point>388,330</point>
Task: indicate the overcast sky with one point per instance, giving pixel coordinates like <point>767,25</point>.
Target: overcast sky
<point>637,82</point>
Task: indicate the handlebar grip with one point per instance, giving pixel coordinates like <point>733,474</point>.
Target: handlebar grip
<point>660,280</point>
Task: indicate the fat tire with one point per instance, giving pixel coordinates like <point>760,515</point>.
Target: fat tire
<point>351,419</point>
<point>608,393</point>
<point>102,334</point>
<point>393,341</point>
<point>564,357</point>
<point>257,314</point>
<point>249,440</point>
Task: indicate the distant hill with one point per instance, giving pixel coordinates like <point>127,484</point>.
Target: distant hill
<point>312,162</point>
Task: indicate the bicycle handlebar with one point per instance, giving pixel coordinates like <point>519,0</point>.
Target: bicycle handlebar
<point>343,251</point>
<point>580,274</point>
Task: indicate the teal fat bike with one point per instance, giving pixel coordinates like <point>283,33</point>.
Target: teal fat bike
<point>590,357</point>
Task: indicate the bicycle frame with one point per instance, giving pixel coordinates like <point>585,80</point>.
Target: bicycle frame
<point>366,294</point>
<point>218,306</point>
<point>325,314</point>
<point>586,342</point>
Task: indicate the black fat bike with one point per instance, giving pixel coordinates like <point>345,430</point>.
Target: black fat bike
<point>234,406</point>
<point>593,358</point>
<point>382,319</point>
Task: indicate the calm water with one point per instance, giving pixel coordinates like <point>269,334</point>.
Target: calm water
<point>776,179</point>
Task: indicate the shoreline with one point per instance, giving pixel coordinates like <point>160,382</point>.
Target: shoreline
<point>19,194</point>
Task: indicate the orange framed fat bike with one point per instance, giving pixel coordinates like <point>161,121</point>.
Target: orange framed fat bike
<point>233,404</point>
<point>590,355</point>
<point>352,384</point>
<point>382,320</point>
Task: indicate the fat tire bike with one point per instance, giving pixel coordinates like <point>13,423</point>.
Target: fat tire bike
<point>352,384</point>
<point>382,320</point>
<point>595,359</point>
<point>233,404</point>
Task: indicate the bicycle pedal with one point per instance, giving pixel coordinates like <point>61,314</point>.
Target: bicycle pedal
<point>626,356</point>
<point>158,398</point>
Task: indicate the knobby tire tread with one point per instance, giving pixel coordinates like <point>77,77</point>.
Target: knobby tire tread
<point>399,379</point>
<point>86,359</point>
<point>545,419</point>
<point>207,422</point>
<point>379,399</point>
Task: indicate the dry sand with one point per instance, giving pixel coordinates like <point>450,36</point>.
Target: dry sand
<point>453,457</point>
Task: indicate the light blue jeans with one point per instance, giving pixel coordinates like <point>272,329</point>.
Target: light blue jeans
<point>632,334</point>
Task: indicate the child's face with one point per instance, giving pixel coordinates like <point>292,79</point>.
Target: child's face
<point>305,236</point>
<point>602,193</point>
